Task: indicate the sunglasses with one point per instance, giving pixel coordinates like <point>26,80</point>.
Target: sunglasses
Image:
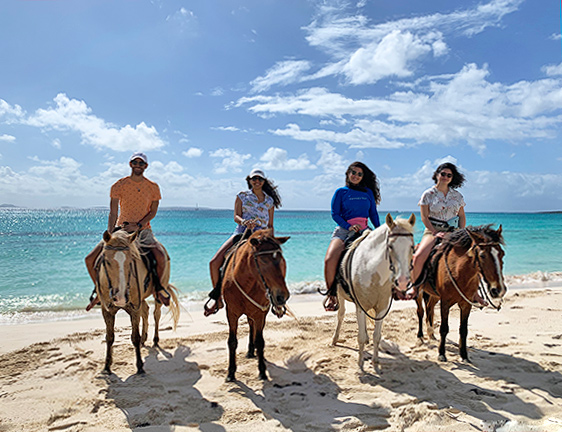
<point>137,162</point>
<point>444,174</point>
<point>256,178</point>
<point>356,173</point>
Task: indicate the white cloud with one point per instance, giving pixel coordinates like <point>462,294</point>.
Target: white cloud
<point>74,115</point>
<point>284,72</point>
<point>9,113</point>
<point>56,143</point>
<point>553,70</point>
<point>217,91</point>
<point>277,159</point>
<point>232,161</point>
<point>7,138</point>
<point>193,152</point>
<point>555,36</point>
<point>227,128</point>
<point>460,108</point>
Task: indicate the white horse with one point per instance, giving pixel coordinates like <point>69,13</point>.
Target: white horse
<point>376,264</point>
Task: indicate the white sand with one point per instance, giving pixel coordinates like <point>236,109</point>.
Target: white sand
<point>50,374</point>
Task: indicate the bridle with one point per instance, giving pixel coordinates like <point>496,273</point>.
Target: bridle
<point>132,271</point>
<point>481,288</point>
<point>279,311</point>
<point>391,267</point>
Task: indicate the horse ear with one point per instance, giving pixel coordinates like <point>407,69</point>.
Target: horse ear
<point>281,240</point>
<point>412,220</point>
<point>106,236</point>
<point>133,236</point>
<point>499,231</point>
<point>389,221</point>
<point>255,242</point>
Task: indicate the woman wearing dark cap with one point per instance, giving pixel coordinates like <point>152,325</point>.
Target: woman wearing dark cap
<point>442,209</point>
<point>253,210</point>
<point>352,206</point>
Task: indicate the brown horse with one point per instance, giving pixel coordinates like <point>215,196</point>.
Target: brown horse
<point>464,258</point>
<point>123,283</point>
<point>254,282</point>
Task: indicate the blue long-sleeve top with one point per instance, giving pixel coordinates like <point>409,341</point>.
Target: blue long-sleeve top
<point>351,203</point>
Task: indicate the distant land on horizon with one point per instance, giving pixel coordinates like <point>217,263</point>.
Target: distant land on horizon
<point>191,208</point>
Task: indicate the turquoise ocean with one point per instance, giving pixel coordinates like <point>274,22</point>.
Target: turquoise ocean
<point>43,276</point>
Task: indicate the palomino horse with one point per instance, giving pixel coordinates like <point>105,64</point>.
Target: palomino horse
<point>123,283</point>
<point>464,258</point>
<point>254,282</point>
<point>377,263</point>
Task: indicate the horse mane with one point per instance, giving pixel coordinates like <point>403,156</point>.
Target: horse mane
<point>400,222</point>
<point>460,237</point>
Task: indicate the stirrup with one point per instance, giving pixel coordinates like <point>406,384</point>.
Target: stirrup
<point>212,309</point>
<point>162,296</point>
<point>94,300</point>
<point>331,307</point>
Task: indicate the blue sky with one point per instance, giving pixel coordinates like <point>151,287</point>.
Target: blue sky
<point>301,88</point>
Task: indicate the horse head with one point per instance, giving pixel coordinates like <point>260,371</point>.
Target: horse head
<point>271,267</point>
<point>400,249</point>
<point>116,263</point>
<point>487,253</point>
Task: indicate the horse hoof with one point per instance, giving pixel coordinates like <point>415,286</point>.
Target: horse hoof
<point>106,371</point>
<point>442,358</point>
<point>230,378</point>
<point>466,361</point>
<point>250,355</point>
<point>141,372</point>
<point>264,377</point>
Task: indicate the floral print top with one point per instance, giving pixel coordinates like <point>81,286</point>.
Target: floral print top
<point>252,209</point>
<point>440,206</point>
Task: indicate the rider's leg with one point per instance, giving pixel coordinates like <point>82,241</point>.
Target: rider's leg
<point>420,257</point>
<point>161,260</point>
<point>90,261</point>
<point>214,269</point>
<point>331,261</point>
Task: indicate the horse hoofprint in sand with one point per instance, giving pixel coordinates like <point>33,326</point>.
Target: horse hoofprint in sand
<point>123,284</point>
<point>376,264</point>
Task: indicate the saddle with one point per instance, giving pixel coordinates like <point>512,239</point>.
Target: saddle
<point>429,269</point>
<point>239,240</point>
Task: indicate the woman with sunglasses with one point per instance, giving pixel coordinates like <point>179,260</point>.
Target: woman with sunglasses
<point>352,206</point>
<point>253,210</point>
<point>442,209</point>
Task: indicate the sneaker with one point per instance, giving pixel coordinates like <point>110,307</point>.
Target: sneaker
<point>331,303</point>
<point>163,297</point>
<point>213,308</point>
<point>94,301</point>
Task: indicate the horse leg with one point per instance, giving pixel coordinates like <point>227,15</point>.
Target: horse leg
<point>260,345</point>
<point>444,329</point>
<point>232,345</point>
<point>419,303</point>
<point>463,330</point>
<point>341,314</point>
<point>144,318</point>
<point>362,337</point>
<point>430,303</point>
<point>251,339</point>
<point>109,318</point>
<point>157,315</point>
<point>136,339</point>
<point>377,334</point>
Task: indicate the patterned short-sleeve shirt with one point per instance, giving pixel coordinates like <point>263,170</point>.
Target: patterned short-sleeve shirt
<point>441,206</point>
<point>135,198</point>
<point>252,209</point>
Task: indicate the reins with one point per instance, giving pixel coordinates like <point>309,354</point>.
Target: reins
<point>392,269</point>
<point>263,308</point>
<point>481,288</point>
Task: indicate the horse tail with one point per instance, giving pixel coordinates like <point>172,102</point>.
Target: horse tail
<point>174,307</point>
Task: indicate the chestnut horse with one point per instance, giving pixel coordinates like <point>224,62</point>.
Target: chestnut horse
<point>123,283</point>
<point>460,262</point>
<point>254,283</point>
<point>377,263</point>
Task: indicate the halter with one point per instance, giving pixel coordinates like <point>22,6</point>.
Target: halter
<point>278,310</point>
<point>390,266</point>
<point>481,275</point>
<point>132,270</point>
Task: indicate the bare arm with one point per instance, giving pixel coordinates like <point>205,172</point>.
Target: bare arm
<point>462,218</point>
<point>424,210</point>
<point>150,215</point>
<point>113,213</point>
<point>270,223</point>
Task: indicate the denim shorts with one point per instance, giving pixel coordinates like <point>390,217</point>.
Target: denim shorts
<point>344,234</point>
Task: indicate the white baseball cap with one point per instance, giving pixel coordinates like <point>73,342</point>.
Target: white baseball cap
<point>257,172</point>
<point>139,155</point>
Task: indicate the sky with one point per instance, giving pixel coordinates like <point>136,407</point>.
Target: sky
<point>210,89</point>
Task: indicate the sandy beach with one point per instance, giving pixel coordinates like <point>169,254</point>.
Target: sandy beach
<point>51,380</point>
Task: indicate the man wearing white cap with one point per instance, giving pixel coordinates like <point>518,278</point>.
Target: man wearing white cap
<point>134,203</point>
